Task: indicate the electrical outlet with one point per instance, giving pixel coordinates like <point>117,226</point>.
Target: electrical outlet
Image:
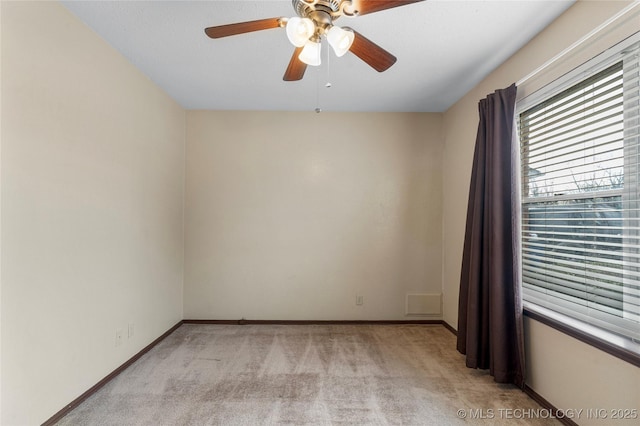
<point>119,337</point>
<point>130,330</point>
<point>359,300</point>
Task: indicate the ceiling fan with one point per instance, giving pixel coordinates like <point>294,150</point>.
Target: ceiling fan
<point>314,20</point>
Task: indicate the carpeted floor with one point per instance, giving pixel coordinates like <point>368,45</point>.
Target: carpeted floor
<point>304,374</point>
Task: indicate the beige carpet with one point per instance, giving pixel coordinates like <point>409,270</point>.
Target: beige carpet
<point>304,374</point>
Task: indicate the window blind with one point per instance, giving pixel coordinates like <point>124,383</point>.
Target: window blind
<point>580,198</point>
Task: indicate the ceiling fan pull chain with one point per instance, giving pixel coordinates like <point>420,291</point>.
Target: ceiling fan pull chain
<point>328,85</point>
<point>318,109</point>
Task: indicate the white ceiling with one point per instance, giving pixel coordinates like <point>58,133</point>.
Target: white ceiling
<point>444,48</point>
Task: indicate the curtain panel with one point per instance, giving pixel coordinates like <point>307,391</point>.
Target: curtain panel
<point>490,305</point>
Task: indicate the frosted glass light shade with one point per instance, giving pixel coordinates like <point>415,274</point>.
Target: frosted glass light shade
<point>299,30</point>
<point>310,55</point>
<point>340,39</point>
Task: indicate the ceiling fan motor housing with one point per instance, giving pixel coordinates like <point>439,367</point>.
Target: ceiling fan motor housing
<point>332,8</point>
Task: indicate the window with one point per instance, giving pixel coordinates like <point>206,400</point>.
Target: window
<point>579,149</point>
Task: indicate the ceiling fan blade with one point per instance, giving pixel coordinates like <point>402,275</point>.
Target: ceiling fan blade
<point>295,70</point>
<point>364,7</point>
<point>374,55</point>
<point>243,27</point>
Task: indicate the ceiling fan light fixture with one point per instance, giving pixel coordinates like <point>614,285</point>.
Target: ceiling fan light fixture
<point>340,40</point>
<point>315,20</point>
<point>299,30</point>
<point>310,55</point>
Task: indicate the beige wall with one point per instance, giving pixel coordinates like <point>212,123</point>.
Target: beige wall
<point>572,374</point>
<point>585,382</point>
<point>92,194</point>
<point>291,215</point>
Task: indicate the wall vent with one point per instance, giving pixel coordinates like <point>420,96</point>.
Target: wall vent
<point>424,304</point>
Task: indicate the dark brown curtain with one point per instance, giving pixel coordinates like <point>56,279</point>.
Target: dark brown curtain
<point>490,307</point>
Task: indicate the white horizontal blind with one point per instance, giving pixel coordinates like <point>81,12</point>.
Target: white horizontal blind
<point>580,198</point>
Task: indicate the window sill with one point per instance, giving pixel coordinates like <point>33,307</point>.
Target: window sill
<point>613,344</point>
